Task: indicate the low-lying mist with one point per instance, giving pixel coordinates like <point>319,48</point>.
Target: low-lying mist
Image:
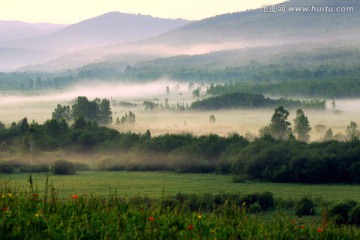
<point>38,106</point>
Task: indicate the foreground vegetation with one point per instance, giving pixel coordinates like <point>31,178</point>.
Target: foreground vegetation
<point>191,216</point>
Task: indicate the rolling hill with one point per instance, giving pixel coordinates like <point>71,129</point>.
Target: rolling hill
<point>107,29</point>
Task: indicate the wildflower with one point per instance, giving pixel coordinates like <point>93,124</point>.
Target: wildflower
<point>293,221</point>
<point>199,216</point>
<point>301,226</point>
<point>75,196</point>
<point>36,195</point>
<point>320,230</point>
<point>5,209</point>
<point>37,214</point>
<point>3,196</point>
<point>190,227</point>
<point>10,195</point>
<point>151,219</point>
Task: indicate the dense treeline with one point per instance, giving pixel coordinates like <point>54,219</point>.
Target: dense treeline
<point>331,73</point>
<point>250,100</point>
<point>329,88</point>
<point>265,158</point>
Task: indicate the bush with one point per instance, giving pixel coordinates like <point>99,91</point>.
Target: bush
<point>354,215</point>
<point>63,167</point>
<point>82,167</point>
<point>340,212</point>
<point>304,207</point>
<point>266,200</point>
<point>255,208</point>
<point>34,168</point>
<point>6,168</point>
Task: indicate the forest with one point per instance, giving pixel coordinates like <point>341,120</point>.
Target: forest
<point>280,154</point>
<point>249,100</point>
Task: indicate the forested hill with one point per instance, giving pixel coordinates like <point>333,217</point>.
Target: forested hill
<point>293,24</point>
<point>249,100</point>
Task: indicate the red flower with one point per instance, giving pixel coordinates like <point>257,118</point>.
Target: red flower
<point>190,227</point>
<point>35,195</point>
<point>75,196</point>
<point>151,219</point>
<point>5,209</point>
<point>302,227</point>
<point>320,230</point>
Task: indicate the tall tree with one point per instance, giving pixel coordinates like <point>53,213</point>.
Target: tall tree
<point>105,113</point>
<point>88,110</point>
<point>279,126</point>
<point>62,112</point>
<point>301,126</point>
<point>352,130</point>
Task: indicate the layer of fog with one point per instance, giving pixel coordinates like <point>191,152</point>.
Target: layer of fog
<point>39,107</point>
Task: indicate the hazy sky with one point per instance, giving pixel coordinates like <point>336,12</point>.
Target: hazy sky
<point>72,11</point>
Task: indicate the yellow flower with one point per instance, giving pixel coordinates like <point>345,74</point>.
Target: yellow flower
<point>3,196</point>
<point>199,216</point>
<point>37,215</point>
<point>10,195</point>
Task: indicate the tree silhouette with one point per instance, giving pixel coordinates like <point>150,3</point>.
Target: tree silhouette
<point>279,126</point>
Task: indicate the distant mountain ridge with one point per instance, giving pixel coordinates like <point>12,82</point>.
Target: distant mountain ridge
<point>262,26</point>
<point>15,30</point>
<point>106,29</point>
<point>109,28</point>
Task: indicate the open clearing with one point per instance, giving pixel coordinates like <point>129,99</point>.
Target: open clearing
<point>154,184</point>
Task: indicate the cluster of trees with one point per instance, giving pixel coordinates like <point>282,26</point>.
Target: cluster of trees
<point>266,158</point>
<point>127,118</point>
<point>327,88</point>
<point>280,128</point>
<point>251,100</point>
<point>98,111</point>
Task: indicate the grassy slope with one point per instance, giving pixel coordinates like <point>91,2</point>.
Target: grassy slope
<point>153,183</point>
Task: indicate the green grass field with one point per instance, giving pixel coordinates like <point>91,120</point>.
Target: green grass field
<point>153,184</point>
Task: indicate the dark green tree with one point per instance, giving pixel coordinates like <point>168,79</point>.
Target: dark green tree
<point>279,126</point>
<point>196,92</point>
<point>352,130</point>
<point>301,126</point>
<point>89,110</point>
<point>329,135</point>
<point>62,112</point>
<point>128,118</point>
<point>105,113</point>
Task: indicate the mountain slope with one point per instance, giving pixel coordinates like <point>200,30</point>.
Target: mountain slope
<point>14,30</point>
<point>262,26</point>
<point>110,28</point>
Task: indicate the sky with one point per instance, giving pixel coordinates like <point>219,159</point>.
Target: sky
<point>73,11</point>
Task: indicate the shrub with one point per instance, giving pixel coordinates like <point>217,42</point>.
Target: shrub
<point>266,200</point>
<point>340,212</point>
<point>6,168</point>
<point>255,208</point>
<point>82,167</point>
<point>63,167</point>
<point>110,164</point>
<point>34,168</point>
<point>354,215</point>
<point>304,207</point>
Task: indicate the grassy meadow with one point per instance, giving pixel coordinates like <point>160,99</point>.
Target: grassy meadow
<point>147,205</point>
<point>156,184</point>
